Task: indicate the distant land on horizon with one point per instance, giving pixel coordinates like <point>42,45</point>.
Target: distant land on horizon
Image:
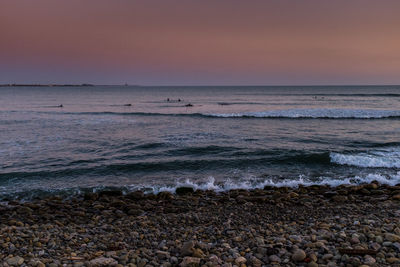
<point>43,85</point>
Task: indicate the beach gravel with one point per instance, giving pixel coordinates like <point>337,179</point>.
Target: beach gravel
<point>356,225</point>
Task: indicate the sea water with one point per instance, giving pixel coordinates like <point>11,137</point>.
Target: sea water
<point>68,140</point>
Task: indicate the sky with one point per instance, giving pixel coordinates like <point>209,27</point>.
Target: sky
<point>202,42</point>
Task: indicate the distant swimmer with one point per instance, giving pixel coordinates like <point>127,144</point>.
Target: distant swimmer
<point>189,105</point>
<point>179,100</point>
<point>58,106</point>
<point>167,99</point>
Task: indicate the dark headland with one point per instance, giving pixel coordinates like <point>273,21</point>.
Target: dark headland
<point>45,85</point>
<point>305,226</point>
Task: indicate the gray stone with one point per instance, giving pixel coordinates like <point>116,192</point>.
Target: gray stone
<point>15,261</point>
<point>173,260</point>
<point>387,244</point>
<point>327,257</point>
<point>298,255</point>
<point>396,245</point>
<point>190,262</point>
<point>368,260</point>
<point>375,246</point>
<point>392,237</point>
<point>103,261</point>
<point>274,258</point>
<point>162,255</point>
<point>187,248</point>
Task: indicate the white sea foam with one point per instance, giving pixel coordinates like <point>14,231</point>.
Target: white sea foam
<point>209,184</point>
<point>384,158</point>
<point>315,113</point>
<point>255,183</point>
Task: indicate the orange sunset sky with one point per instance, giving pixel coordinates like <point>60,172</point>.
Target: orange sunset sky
<point>220,42</point>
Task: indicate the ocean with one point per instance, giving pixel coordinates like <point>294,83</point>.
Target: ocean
<point>69,140</point>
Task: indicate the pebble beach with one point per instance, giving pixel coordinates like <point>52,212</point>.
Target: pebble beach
<point>348,225</point>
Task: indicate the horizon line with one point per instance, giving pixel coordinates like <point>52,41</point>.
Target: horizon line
<point>178,85</point>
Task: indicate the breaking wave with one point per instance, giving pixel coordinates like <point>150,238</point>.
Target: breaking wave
<point>255,183</point>
<point>210,183</point>
<point>316,113</point>
<point>383,158</point>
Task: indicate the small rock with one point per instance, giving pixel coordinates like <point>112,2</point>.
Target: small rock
<point>368,260</point>
<point>110,193</point>
<point>255,262</point>
<point>90,196</point>
<point>396,245</point>
<point>187,248</point>
<point>184,190</point>
<point>375,246</point>
<point>387,244</point>
<point>354,240</point>
<point>392,237</point>
<point>272,251</point>
<point>299,255</point>
<point>198,253</point>
<point>313,257</point>
<point>142,262</point>
<point>274,258</point>
<point>327,257</point>
<point>135,212</point>
<point>260,241</point>
<point>190,262</point>
<point>240,260</point>
<point>162,255</point>
<point>393,260</point>
<point>355,261</point>
<point>295,238</point>
<point>136,195</point>
<point>15,261</point>
<point>24,210</point>
<point>396,197</point>
<point>339,199</point>
<point>102,261</point>
<point>330,194</point>
<point>173,260</point>
<point>165,195</point>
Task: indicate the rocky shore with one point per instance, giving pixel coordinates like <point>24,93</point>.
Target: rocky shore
<point>305,226</point>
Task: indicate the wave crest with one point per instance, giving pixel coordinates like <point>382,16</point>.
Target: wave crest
<point>384,158</point>
<point>315,113</point>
